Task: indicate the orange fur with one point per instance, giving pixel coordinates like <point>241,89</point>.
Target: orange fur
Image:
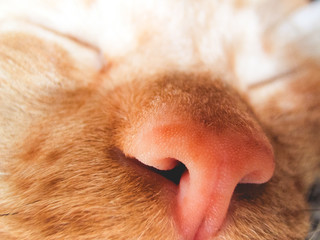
<point>65,121</point>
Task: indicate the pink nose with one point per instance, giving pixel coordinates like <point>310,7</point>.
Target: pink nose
<point>215,164</point>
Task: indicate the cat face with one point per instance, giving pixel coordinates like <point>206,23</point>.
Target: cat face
<point>142,148</point>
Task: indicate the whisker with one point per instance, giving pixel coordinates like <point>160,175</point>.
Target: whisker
<point>309,210</point>
<point>314,235</point>
<point>313,209</point>
<point>8,214</point>
<point>282,76</point>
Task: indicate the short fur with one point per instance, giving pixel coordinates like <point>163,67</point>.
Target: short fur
<point>78,77</point>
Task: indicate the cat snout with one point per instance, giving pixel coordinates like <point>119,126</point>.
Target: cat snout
<point>215,155</point>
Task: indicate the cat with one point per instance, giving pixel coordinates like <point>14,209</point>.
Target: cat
<point>189,120</point>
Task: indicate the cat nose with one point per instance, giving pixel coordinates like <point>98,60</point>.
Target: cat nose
<point>215,163</point>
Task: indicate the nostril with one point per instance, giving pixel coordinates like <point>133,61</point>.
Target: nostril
<point>248,192</point>
<point>174,174</point>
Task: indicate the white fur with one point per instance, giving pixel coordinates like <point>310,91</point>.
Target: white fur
<point>184,33</point>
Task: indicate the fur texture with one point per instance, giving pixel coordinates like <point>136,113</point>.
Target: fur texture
<point>78,77</point>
